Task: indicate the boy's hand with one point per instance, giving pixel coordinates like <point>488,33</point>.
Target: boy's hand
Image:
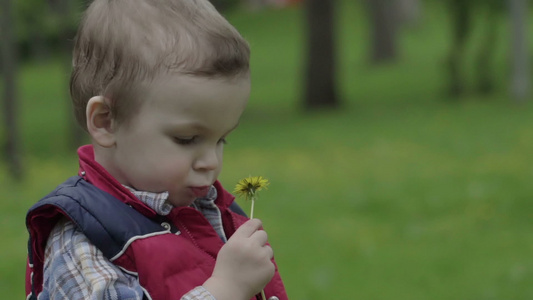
<point>243,266</point>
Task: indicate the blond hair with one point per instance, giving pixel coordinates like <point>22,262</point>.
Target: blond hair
<point>122,44</point>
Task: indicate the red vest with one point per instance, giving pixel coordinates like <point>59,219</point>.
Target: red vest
<point>168,260</point>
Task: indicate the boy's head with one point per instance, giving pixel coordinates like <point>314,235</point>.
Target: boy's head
<point>122,46</point>
<point>159,85</point>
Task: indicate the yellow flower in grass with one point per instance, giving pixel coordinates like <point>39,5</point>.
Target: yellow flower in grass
<point>248,187</point>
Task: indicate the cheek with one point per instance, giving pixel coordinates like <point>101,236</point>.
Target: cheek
<point>172,167</point>
<point>164,166</point>
<point>220,157</point>
<point>162,176</point>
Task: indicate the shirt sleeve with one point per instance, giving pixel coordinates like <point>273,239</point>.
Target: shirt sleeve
<point>198,293</point>
<point>75,269</point>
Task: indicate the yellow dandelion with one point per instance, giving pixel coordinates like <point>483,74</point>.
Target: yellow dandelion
<point>248,187</point>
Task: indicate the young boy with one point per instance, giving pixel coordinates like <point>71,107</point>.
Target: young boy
<point>158,85</point>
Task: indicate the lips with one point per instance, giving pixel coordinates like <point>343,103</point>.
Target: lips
<point>200,191</point>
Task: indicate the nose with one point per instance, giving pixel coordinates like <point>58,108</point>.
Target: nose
<point>209,159</point>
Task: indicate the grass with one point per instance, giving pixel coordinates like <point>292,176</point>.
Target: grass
<point>401,194</point>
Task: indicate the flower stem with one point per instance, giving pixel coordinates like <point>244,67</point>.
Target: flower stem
<point>252,209</point>
<point>251,217</point>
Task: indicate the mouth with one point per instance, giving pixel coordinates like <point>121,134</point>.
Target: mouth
<point>200,191</point>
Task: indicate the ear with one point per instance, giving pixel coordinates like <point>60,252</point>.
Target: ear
<point>100,121</point>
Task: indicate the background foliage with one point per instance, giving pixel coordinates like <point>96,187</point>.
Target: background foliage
<point>404,193</point>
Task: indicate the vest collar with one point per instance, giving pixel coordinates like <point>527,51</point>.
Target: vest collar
<point>94,173</point>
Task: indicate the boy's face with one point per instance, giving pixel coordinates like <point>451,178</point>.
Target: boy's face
<point>175,142</point>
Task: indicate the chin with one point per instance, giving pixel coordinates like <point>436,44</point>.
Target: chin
<point>181,202</point>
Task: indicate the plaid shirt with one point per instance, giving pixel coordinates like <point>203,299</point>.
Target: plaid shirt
<point>75,269</point>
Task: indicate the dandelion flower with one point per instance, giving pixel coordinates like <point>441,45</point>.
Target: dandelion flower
<point>248,187</point>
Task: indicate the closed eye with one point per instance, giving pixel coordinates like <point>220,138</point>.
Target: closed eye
<point>186,141</point>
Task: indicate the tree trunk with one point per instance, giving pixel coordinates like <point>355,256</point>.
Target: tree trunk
<point>486,54</point>
<point>461,13</point>
<point>320,88</point>
<point>520,73</point>
<point>383,21</point>
<point>12,145</point>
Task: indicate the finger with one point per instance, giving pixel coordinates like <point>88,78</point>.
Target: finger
<point>268,251</point>
<point>260,236</point>
<point>269,255</point>
<point>248,228</point>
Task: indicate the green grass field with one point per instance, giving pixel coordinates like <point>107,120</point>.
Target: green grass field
<point>401,194</point>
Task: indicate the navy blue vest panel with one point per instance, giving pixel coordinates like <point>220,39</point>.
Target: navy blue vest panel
<point>234,207</point>
<point>106,221</point>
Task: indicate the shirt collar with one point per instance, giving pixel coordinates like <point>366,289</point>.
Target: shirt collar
<point>158,201</point>
<point>208,201</point>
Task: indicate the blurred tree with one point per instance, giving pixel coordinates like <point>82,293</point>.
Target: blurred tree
<point>320,88</point>
<point>520,72</point>
<point>223,5</point>
<point>384,25</point>
<point>9,67</point>
<point>486,51</point>
<point>39,26</point>
<point>36,28</point>
<point>255,4</point>
<point>462,13</point>
<point>66,10</point>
